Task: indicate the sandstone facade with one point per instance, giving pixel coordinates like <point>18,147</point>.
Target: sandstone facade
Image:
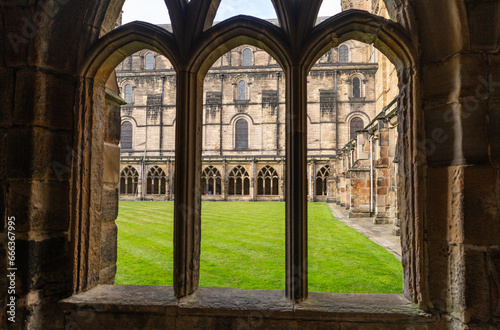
<point>244,85</point>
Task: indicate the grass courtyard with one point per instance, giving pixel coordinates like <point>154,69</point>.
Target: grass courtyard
<point>243,246</point>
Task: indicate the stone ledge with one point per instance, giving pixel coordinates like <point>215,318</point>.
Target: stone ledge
<point>269,304</point>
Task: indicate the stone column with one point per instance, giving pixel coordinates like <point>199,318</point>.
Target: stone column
<point>224,179</point>
<point>253,180</point>
<point>187,205</point>
<point>110,193</point>
<point>296,180</point>
<point>382,177</point>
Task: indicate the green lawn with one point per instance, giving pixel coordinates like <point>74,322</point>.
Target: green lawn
<point>243,246</point>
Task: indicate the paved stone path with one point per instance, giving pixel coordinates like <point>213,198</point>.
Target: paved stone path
<point>379,234</point>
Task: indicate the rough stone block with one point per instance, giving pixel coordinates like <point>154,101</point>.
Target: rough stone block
<point>455,78</point>
<point>39,100</point>
<point>109,234</point>
<point>113,124</point>
<point>457,133</point>
<point>481,213</point>
<point>494,130</point>
<point>39,205</point>
<point>110,198</point>
<point>494,265</point>
<point>38,154</point>
<point>88,319</point>
<point>437,203</point>
<point>439,268</point>
<point>477,289</point>
<point>46,266</point>
<point>111,164</point>
<point>485,31</point>
<point>434,25</point>
<point>6,95</point>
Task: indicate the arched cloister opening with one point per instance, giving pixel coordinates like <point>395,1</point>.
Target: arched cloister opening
<point>129,180</point>
<point>211,181</point>
<point>241,118</point>
<point>98,74</point>
<point>196,69</point>
<point>404,60</point>
<point>267,181</point>
<point>156,181</point>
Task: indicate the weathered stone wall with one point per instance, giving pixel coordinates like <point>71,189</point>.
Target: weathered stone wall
<point>263,118</point>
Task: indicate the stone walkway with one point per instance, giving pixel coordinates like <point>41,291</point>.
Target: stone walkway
<point>379,234</point>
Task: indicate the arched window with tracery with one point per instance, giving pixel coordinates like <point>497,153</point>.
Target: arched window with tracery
<point>129,180</point>
<point>267,181</point>
<point>211,181</point>
<point>356,88</point>
<point>242,90</point>
<point>343,54</point>
<point>247,57</point>
<point>322,181</point>
<point>127,93</point>
<point>150,61</point>
<point>241,134</point>
<point>357,124</point>
<point>156,182</point>
<point>126,135</point>
<point>239,181</point>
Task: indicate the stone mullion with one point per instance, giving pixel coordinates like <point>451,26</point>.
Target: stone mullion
<point>187,204</point>
<point>296,183</point>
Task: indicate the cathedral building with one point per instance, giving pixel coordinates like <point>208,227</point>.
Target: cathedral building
<point>61,156</point>
<point>243,121</point>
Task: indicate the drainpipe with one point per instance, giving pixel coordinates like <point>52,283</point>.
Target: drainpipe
<point>336,115</point>
<point>161,113</point>
<point>278,75</point>
<point>371,175</point>
<point>221,76</point>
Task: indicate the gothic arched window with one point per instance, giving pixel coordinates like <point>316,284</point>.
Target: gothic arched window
<point>211,182</point>
<point>241,134</point>
<point>150,61</point>
<point>247,57</point>
<point>127,91</point>
<point>343,54</point>
<point>267,181</point>
<point>239,181</point>
<point>356,125</point>
<point>157,181</point>
<point>126,136</point>
<point>356,88</point>
<point>242,90</point>
<point>322,181</point>
<point>129,179</point>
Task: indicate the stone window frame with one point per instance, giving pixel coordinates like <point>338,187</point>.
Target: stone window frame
<point>156,181</point>
<point>237,120</point>
<point>124,148</point>
<point>242,90</point>
<point>362,86</point>
<point>352,134</point>
<point>344,57</point>
<point>131,98</point>
<point>211,173</point>
<point>247,57</point>
<point>322,176</point>
<point>392,42</point>
<point>149,61</point>
<point>238,174</point>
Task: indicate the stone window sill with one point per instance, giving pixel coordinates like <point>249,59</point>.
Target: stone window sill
<point>243,305</point>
